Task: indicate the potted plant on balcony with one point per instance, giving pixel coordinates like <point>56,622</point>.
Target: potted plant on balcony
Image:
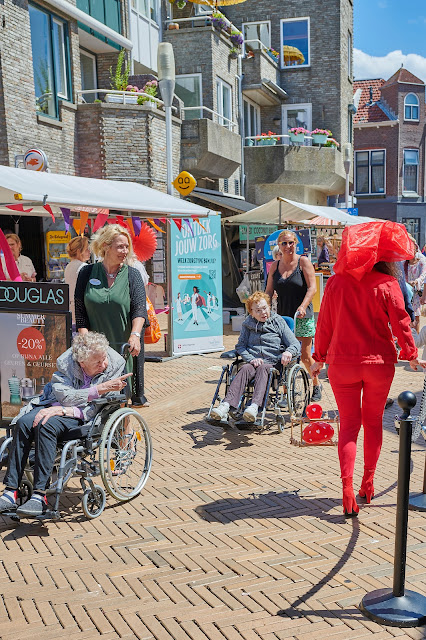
<point>233,52</point>
<point>297,134</point>
<point>266,139</point>
<point>119,79</point>
<point>273,54</point>
<point>151,89</point>
<point>319,136</point>
<point>331,142</point>
<point>219,21</point>
<point>236,37</point>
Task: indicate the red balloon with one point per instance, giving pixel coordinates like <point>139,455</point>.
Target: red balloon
<point>314,411</point>
<point>318,432</point>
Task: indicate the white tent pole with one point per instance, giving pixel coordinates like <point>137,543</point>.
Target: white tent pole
<point>280,212</point>
<point>248,248</point>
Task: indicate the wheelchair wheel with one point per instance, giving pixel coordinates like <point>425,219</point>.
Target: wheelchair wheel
<point>125,454</point>
<point>93,501</point>
<point>298,393</point>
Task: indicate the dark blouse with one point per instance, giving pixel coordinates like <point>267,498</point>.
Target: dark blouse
<point>291,292</point>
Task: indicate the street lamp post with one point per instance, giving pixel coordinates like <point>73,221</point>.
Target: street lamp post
<point>347,161</point>
<point>166,81</point>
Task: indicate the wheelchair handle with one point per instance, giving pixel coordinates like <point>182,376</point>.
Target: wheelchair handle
<point>125,350</point>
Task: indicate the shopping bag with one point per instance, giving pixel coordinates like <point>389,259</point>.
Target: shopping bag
<point>243,290</point>
<point>153,332</point>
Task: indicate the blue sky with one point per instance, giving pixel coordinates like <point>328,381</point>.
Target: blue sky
<point>388,33</point>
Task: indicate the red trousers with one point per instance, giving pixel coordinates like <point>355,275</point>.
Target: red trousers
<point>361,392</point>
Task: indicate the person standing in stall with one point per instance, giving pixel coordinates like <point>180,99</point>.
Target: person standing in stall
<point>24,264</point>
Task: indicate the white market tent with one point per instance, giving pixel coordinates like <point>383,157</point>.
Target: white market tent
<point>39,188</point>
<point>283,211</point>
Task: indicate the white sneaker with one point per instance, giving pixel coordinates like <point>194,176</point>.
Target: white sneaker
<point>220,412</point>
<point>250,414</point>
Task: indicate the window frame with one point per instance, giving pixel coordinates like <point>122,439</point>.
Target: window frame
<point>191,75</point>
<point>54,18</point>
<point>350,70</point>
<point>250,103</point>
<point>411,107</point>
<point>256,22</point>
<point>408,224</point>
<point>369,193</point>
<point>406,191</point>
<point>220,83</point>
<point>94,59</point>
<point>296,66</point>
<point>288,107</point>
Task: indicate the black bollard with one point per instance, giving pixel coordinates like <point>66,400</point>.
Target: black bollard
<point>397,607</point>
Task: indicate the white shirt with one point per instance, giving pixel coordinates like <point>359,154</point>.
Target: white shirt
<point>24,265</point>
<point>70,275</point>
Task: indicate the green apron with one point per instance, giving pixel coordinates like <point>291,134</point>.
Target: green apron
<point>108,308</point>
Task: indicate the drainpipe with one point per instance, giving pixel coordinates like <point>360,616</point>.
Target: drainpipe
<point>241,122</point>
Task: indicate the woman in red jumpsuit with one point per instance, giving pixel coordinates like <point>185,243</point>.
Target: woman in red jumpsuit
<point>354,337</point>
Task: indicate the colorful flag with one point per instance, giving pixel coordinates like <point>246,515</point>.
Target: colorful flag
<point>66,213</point>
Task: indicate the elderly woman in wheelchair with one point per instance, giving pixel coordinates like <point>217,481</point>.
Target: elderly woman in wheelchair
<point>88,371</point>
<point>265,342</point>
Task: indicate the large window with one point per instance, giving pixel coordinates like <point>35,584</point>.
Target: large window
<point>370,172</point>
<point>49,43</point>
<point>251,120</point>
<point>257,34</point>
<point>224,102</point>
<point>295,47</point>
<point>188,88</point>
<point>413,227</point>
<point>88,75</point>
<point>411,171</point>
<point>297,115</point>
<point>106,11</point>
<point>411,107</point>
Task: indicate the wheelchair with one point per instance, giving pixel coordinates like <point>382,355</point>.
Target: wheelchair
<point>287,389</point>
<point>115,444</point>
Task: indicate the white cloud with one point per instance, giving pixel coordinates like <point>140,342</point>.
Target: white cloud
<point>366,66</point>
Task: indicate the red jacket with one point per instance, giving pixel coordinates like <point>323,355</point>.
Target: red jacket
<point>353,322</point>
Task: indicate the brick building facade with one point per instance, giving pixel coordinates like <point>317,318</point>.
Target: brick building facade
<point>389,144</point>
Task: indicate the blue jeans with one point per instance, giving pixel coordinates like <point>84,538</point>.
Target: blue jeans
<point>45,437</point>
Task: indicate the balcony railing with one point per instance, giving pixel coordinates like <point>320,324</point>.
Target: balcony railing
<point>217,117</point>
<point>122,94</point>
<point>258,141</point>
<point>260,46</point>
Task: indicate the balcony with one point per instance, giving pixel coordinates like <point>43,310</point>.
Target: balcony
<point>304,173</point>
<point>261,76</point>
<point>210,149</point>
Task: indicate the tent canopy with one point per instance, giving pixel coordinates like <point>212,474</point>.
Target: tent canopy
<point>282,211</point>
<point>57,190</point>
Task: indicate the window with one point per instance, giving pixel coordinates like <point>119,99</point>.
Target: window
<point>413,227</point>
<point>106,11</point>
<point>411,170</point>
<point>225,185</point>
<point>224,102</point>
<point>88,75</point>
<point>370,172</point>
<point>251,120</point>
<point>349,55</point>
<point>297,115</point>
<point>49,43</point>
<point>237,187</point>
<point>201,9</point>
<point>411,107</point>
<point>257,34</point>
<point>295,43</point>
<point>188,88</point>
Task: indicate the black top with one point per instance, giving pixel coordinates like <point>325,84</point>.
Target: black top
<point>291,292</point>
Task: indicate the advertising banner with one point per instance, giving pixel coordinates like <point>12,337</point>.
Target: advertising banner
<point>196,267</point>
<point>35,322</point>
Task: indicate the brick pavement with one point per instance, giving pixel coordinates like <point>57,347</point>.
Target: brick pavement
<point>237,535</point>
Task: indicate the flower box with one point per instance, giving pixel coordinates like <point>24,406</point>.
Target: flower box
<point>297,137</point>
<point>249,143</point>
<point>117,98</point>
<point>267,142</point>
<point>319,138</point>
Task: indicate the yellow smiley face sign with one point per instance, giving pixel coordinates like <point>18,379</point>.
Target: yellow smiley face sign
<point>184,183</point>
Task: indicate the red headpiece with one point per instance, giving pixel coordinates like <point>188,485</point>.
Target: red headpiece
<point>363,245</point>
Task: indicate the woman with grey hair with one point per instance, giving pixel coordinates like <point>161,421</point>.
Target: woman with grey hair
<point>88,370</point>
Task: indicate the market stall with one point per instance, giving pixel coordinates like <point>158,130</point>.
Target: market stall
<point>285,214</point>
<point>184,230</point>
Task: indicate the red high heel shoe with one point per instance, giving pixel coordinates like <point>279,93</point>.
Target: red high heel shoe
<point>350,507</point>
<point>367,489</point>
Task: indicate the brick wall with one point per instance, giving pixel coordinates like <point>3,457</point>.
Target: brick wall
<point>125,142</point>
<point>22,129</point>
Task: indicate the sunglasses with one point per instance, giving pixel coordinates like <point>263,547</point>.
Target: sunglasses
<point>287,243</point>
